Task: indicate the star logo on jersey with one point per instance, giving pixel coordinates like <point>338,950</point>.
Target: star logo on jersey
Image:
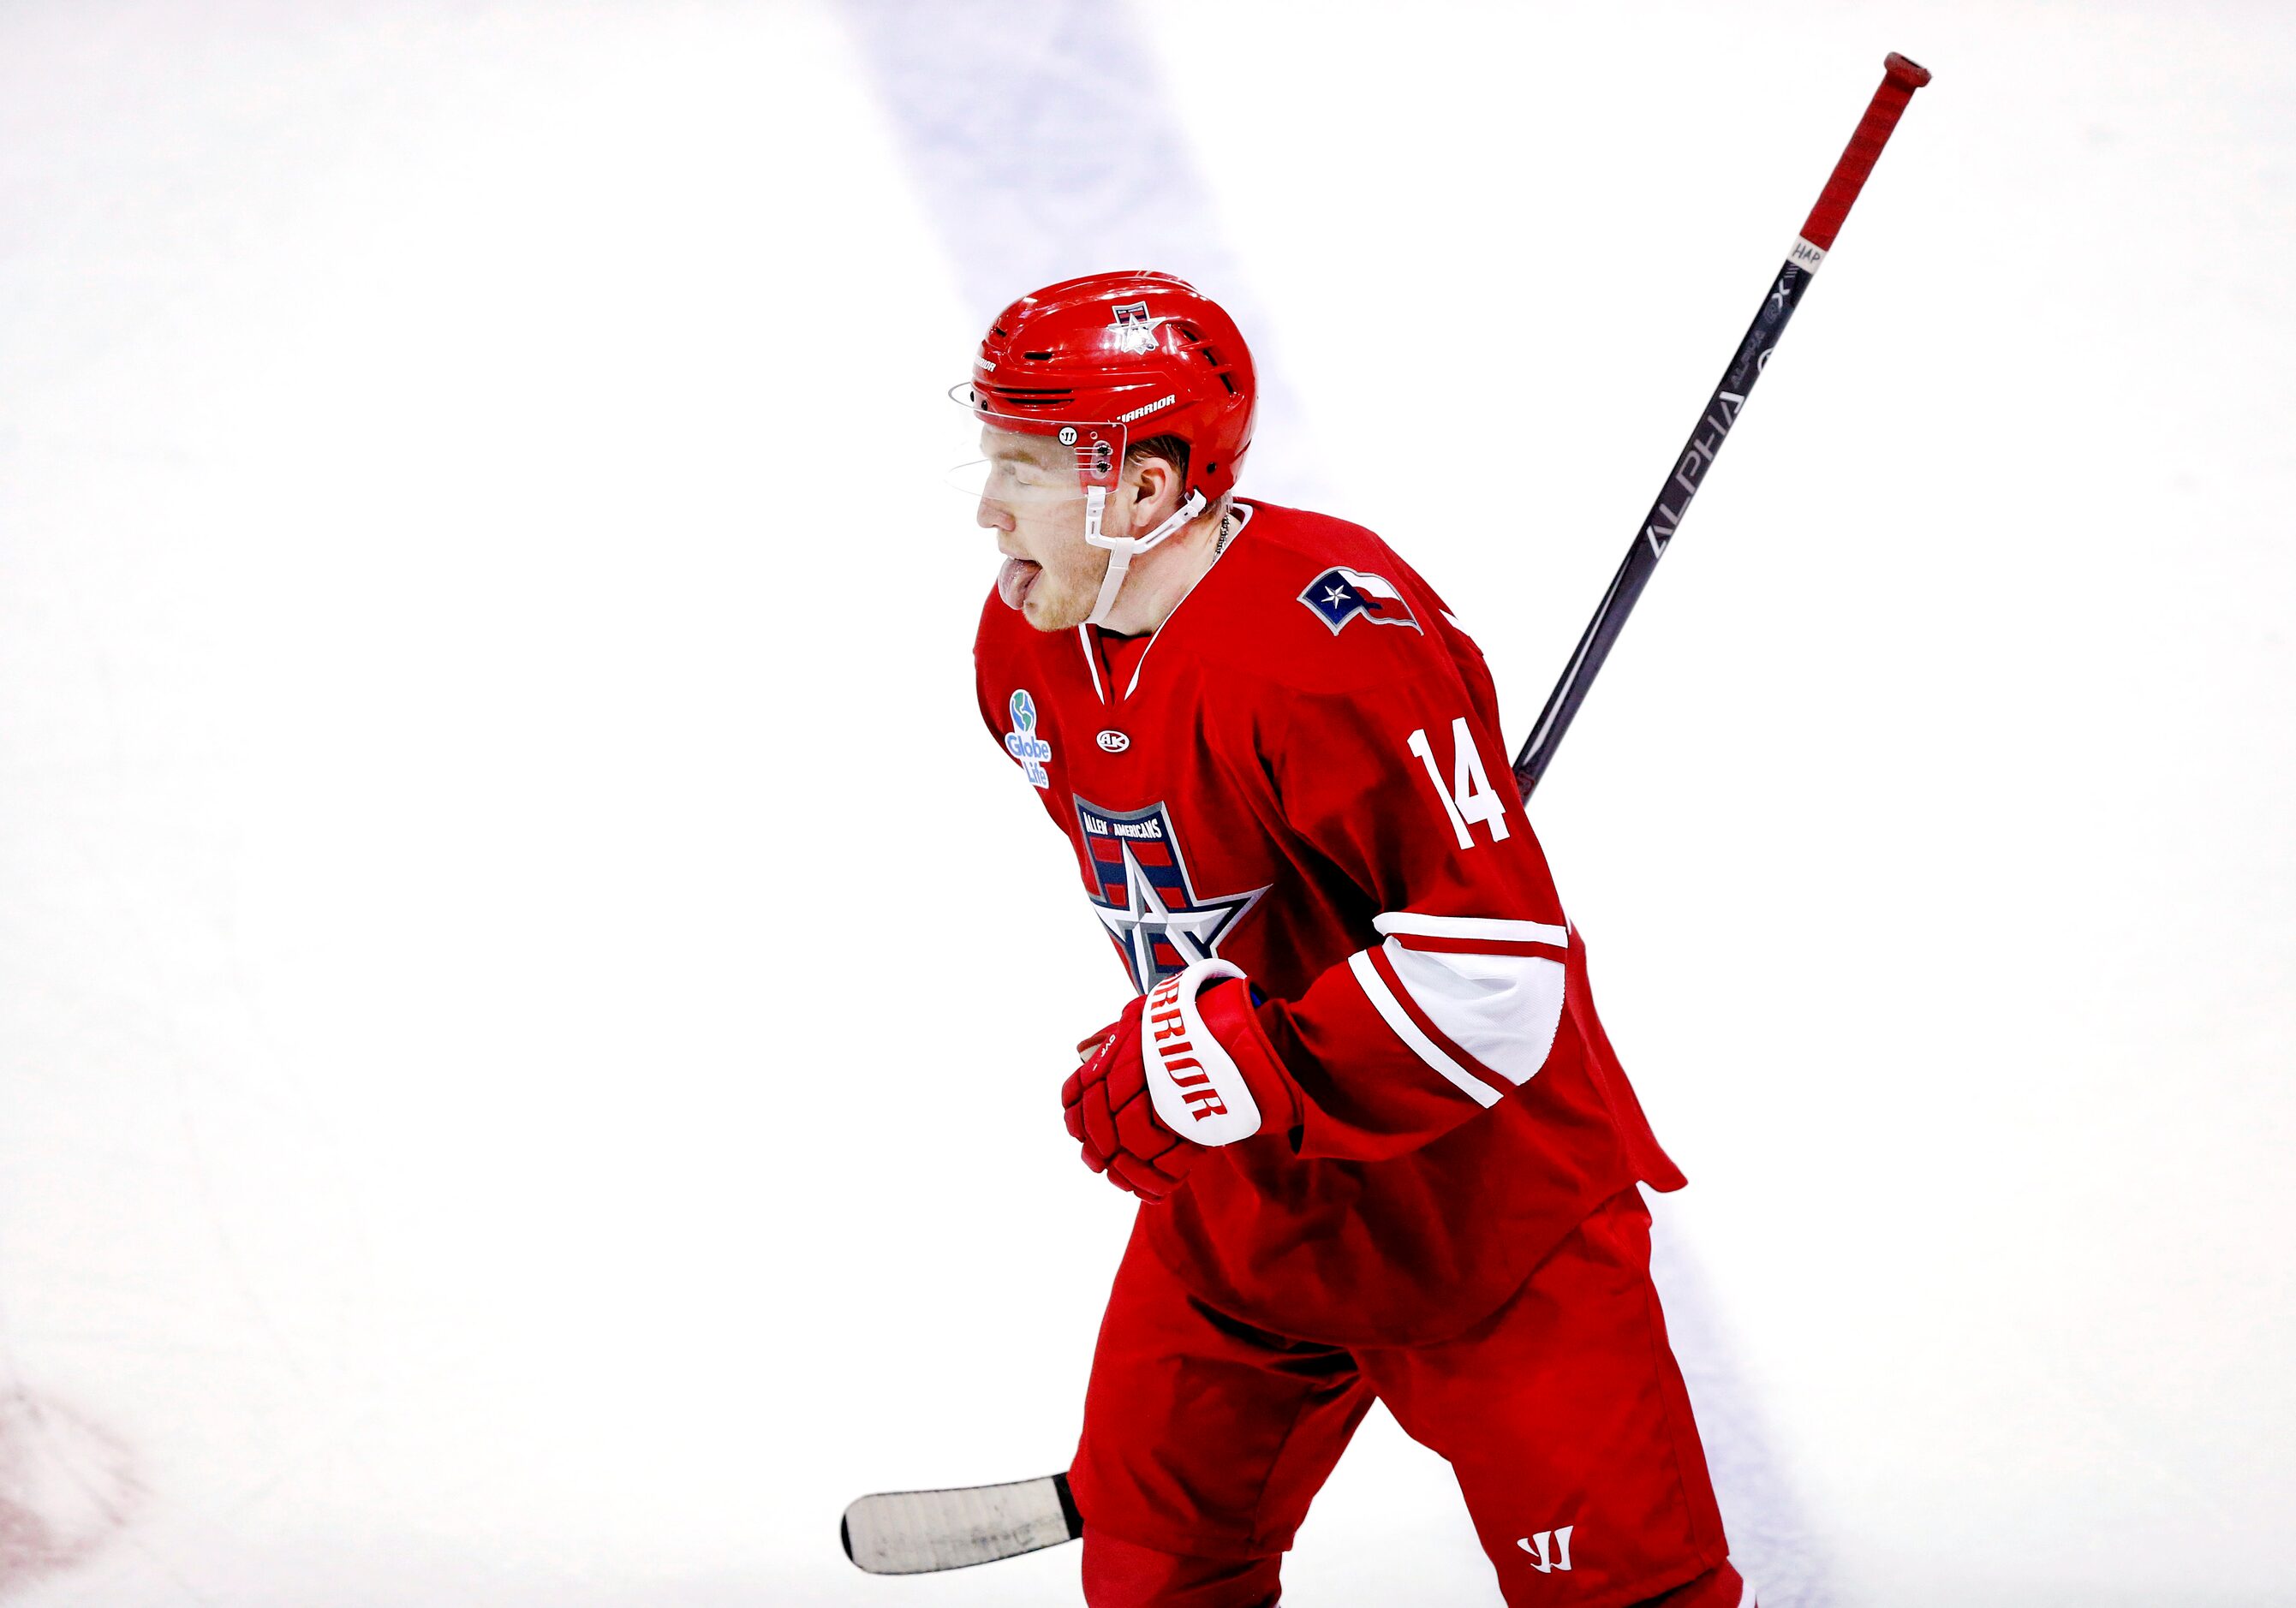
<point>1142,894</point>
<point>1340,594</point>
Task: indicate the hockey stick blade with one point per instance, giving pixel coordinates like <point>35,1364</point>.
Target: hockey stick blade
<point>922,1531</point>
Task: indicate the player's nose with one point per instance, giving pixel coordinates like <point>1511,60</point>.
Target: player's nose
<point>992,516</point>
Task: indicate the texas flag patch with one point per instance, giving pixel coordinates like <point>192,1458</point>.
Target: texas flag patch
<point>1339,595</point>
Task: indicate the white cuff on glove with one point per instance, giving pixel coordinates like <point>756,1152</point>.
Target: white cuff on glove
<point>1198,1089</point>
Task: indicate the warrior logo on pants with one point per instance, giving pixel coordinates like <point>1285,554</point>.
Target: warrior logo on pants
<point>1536,1546</point>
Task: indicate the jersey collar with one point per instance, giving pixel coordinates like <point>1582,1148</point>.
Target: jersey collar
<point>1240,513</point>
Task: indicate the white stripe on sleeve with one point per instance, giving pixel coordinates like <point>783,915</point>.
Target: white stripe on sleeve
<point>1502,1009</point>
<point>1413,925</point>
<point>1391,1011</point>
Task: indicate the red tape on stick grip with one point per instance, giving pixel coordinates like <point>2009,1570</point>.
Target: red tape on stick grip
<point>1782,294</point>
<point>1900,78</point>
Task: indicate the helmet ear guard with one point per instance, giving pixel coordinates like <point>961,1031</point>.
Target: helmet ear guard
<point>1122,550</point>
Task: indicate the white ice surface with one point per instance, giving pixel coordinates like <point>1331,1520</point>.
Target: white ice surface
<point>520,975</point>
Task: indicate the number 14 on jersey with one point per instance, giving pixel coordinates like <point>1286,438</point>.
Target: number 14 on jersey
<point>1470,798</point>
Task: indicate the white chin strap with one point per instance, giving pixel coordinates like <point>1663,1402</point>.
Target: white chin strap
<point>1123,549</point>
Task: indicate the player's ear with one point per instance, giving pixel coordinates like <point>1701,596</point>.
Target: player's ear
<point>1159,489</point>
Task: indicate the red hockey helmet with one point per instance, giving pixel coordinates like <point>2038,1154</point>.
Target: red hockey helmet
<point>1112,358</point>
<point>1143,349</point>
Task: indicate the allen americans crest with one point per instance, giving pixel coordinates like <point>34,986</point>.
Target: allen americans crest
<point>1339,595</point>
<point>1142,893</point>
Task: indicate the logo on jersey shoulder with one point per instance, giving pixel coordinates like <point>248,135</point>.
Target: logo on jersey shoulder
<point>1142,893</point>
<point>1340,594</point>
<point>1542,1560</point>
<point>1024,743</point>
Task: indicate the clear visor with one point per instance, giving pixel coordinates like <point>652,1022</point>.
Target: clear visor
<point>1022,459</point>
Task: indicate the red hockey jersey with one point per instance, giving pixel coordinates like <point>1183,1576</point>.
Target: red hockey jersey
<point>1301,771</point>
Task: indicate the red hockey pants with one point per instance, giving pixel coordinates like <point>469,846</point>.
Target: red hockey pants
<point>1561,1413</point>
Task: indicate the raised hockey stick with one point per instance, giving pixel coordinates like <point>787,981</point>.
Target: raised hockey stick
<point>1900,77</point>
<point>920,1531</point>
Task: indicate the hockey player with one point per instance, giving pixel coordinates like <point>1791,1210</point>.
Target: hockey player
<point>1384,1147</point>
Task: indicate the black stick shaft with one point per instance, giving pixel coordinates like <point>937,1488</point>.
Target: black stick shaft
<point>1658,526</point>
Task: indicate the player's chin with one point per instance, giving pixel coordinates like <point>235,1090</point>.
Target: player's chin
<point>1050,606</point>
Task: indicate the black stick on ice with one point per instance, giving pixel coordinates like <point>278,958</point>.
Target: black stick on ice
<point>922,1531</point>
<point>1900,78</point>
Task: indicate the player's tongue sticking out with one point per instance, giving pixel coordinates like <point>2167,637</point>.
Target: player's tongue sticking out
<point>1014,579</point>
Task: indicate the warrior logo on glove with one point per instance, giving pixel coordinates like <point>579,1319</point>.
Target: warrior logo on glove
<point>1193,1082</point>
<point>1194,1046</point>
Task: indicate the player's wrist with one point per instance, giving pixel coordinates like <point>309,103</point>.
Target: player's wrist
<point>1232,1010</point>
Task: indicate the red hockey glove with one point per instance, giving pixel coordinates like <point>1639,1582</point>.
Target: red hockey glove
<point>1186,1067</point>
